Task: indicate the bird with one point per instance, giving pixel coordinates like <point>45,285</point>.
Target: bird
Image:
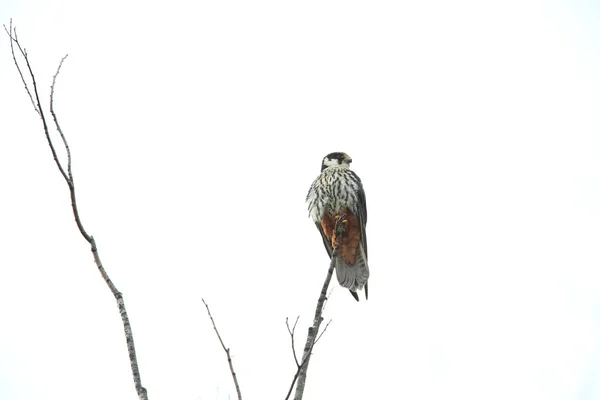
<point>336,194</point>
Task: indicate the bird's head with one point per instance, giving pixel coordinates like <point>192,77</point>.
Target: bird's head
<point>336,160</point>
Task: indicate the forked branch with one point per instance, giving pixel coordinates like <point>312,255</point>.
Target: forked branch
<point>68,177</point>
<point>292,332</point>
<point>313,332</point>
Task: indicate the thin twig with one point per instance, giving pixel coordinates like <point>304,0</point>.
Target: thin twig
<point>141,391</point>
<point>56,119</point>
<point>233,374</point>
<point>292,331</point>
<point>13,38</point>
<point>323,331</point>
<point>327,298</point>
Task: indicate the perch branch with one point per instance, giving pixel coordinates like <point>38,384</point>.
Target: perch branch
<point>313,332</point>
<point>311,339</point>
<point>68,177</point>
<point>235,381</point>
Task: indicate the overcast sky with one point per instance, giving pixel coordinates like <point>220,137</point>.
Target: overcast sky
<point>197,128</point>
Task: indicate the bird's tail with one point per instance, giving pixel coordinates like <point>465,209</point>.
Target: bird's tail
<point>353,276</point>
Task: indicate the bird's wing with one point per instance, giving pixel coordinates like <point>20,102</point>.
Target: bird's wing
<point>362,221</point>
<point>326,241</point>
<point>362,214</point>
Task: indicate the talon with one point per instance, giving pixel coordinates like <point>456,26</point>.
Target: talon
<point>334,242</point>
<point>342,217</point>
<point>338,230</point>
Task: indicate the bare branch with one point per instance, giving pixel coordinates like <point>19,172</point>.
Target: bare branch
<point>13,39</point>
<point>235,381</point>
<point>327,298</point>
<point>312,338</point>
<point>56,119</point>
<point>137,380</point>
<point>304,361</point>
<point>323,332</point>
<point>313,331</point>
<point>12,33</point>
<point>292,331</point>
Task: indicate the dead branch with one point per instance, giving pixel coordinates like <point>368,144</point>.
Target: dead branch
<point>313,332</point>
<point>323,331</point>
<point>292,332</point>
<point>62,136</point>
<point>68,177</point>
<point>13,33</point>
<point>304,360</point>
<point>233,374</point>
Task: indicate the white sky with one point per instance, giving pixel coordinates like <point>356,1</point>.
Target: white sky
<point>196,130</point>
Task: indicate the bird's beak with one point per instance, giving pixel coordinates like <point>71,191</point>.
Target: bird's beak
<point>348,160</point>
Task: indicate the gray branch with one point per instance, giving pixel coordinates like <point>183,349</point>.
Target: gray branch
<point>226,349</point>
<point>12,33</point>
<point>62,136</point>
<point>292,332</point>
<point>68,177</point>
<point>313,332</point>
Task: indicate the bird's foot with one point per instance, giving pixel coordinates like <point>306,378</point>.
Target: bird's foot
<point>338,230</point>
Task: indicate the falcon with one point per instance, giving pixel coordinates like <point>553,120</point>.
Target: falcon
<point>337,193</point>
